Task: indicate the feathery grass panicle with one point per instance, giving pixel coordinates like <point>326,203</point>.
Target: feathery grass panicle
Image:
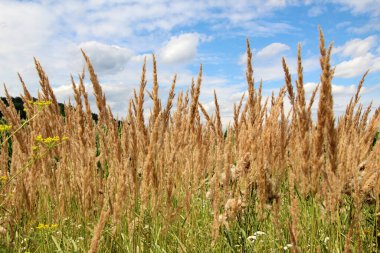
<point>236,119</point>
<point>288,81</point>
<point>311,101</point>
<point>98,230</point>
<point>207,117</point>
<point>140,102</point>
<point>326,136</point>
<point>156,102</point>
<point>218,118</point>
<point>46,87</point>
<point>194,101</point>
<point>251,86</point>
<point>98,92</point>
<point>169,104</point>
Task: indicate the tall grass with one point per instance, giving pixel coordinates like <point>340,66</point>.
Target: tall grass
<point>276,181</point>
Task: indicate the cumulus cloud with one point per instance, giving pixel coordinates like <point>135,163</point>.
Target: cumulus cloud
<point>272,50</point>
<point>269,52</point>
<point>181,49</point>
<point>361,54</point>
<point>356,66</point>
<point>107,59</point>
<point>356,47</point>
<point>268,62</point>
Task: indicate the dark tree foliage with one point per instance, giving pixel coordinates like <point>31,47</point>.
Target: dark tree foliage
<point>19,104</point>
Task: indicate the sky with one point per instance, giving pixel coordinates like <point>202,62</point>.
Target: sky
<point>118,34</point>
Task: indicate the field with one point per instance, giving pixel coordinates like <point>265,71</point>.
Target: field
<point>179,181</point>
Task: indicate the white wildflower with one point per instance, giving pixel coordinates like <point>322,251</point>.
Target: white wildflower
<point>288,246</point>
<point>209,194</point>
<point>222,218</point>
<point>251,238</point>
<point>259,233</point>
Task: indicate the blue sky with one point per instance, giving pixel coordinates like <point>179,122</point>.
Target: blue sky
<point>117,35</point>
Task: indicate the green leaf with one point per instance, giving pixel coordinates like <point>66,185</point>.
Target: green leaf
<point>56,244</point>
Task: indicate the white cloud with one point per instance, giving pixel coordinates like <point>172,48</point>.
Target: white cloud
<point>107,59</point>
<point>372,26</point>
<point>241,11</point>
<point>309,87</point>
<point>272,50</point>
<point>356,47</point>
<point>270,68</point>
<point>180,49</point>
<point>139,59</point>
<point>52,30</point>
<point>362,56</point>
<point>363,6</point>
<point>24,27</point>
<point>63,92</point>
<point>341,96</point>
<point>118,34</point>
<point>273,72</point>
<point>227,95</point>
<point>357,66</point>
<point>315,11</point>
<point>339,90</point>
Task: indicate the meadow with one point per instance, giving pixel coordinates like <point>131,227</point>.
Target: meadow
<point>178,181</point>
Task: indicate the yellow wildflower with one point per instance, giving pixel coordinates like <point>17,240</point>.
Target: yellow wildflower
<point>3,178</point>
<point>4,128</point>
<point>53,225</point>
<point>40,103</point>
<point>42,226</point>
<point>39,138</point>
<point>49,141</point>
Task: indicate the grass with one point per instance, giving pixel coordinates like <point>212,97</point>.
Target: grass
<point>176,181</point>
<point>192,234</point>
